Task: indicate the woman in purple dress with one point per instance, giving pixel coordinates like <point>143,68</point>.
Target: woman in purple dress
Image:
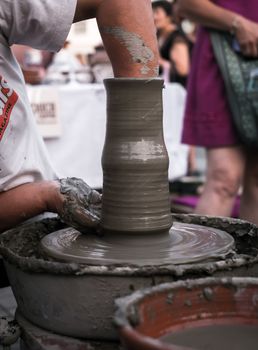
<point>208,121</point>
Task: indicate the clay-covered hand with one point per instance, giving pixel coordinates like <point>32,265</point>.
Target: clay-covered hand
<point>81,206</point>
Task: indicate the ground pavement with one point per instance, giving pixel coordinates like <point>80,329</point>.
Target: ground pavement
<point>8,307</point>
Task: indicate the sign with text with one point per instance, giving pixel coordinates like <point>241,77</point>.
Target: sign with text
<point>45,107</point>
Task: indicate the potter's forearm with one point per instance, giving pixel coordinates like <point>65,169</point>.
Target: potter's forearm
<point>207,13</point>
<point>24,202</point>
<point>128,34</point>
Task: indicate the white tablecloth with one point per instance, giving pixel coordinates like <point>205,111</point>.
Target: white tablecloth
<point>82,109</point>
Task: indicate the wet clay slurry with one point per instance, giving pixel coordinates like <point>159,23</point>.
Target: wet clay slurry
<point>135,161</point>
<point>222,337</point>
<point>23,244</point>
<point>140,53</point>
<point>183,244</point>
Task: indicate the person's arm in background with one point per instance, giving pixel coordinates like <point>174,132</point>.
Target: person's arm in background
<point>180,56</point>
<point>211,15</point>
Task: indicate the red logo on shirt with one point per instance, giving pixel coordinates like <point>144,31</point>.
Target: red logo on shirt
<point>8,98</point>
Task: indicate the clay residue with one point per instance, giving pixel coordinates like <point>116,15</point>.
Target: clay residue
<point>136,46</point>
<point>208,293</point>
<point>143,150</point>
<point>188,303</point>
<point>20,247</point>
<point>9,331</point>
<point>183,244</point>
<point>170,298</point>
<point>132,304</point>
<point>236,227</point>
<point>81,207</point>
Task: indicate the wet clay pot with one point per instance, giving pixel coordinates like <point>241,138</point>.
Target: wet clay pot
<point>201,314</point>
<point>78,299</point>
<point>135,160</point>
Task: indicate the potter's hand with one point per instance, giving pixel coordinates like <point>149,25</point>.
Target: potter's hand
<point>81,206</point>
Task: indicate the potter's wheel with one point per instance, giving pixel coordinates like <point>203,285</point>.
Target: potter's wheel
<point>184,243</point>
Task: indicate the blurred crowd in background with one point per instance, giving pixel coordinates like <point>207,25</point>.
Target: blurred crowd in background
<point>42,67</point>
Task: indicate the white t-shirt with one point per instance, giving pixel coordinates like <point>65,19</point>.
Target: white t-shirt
<point>41,24</point>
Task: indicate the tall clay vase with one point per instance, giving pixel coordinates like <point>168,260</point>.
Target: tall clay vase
<point>135,160</point>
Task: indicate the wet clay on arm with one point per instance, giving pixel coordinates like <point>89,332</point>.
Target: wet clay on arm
<point>131,46</point>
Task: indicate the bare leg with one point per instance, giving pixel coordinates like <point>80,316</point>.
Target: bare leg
<point>192,167</point>
<point>249,198</point>
<point>225,167</point>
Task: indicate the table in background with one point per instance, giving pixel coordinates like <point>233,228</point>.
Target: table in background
<point>82,108</point>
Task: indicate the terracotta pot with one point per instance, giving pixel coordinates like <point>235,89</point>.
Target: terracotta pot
<point>78,299</point>
<point>152,319</point>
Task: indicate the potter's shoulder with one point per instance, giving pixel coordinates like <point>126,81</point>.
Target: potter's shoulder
<point>36,23</point>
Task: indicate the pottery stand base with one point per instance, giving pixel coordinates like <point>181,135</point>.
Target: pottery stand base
<point>77,300</point>
<point>36,338</point>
